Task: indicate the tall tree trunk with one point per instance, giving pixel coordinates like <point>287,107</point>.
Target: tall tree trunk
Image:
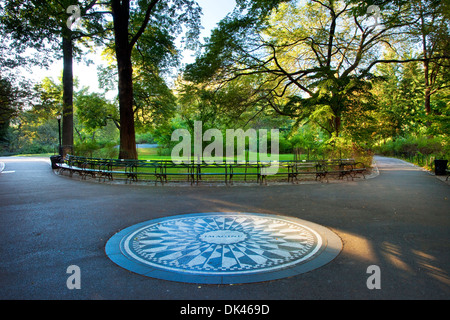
<point>67,117</point>
<point>127,131</point>
<point>426,62</point>
<point>125,70</point>
<point>428,100</point>
<point>426,70</point>
<point>337,125</point>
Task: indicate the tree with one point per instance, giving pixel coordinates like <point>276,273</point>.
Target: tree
<point>93,110</point>
<point>433,33</point>
<point>399,92</point>
<point>7,108</point>
<point>14,90</point>
<point>131,27</point>
<point>313,60</point>
<point>34,128</point>
<point>31,21</point>
<point>44,26</point>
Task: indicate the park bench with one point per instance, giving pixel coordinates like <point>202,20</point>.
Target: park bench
<point>187,170</point>
<point>248,169</point>
<point>195,172</point>
<point>103,168</point>
<point>340,167</point>
<point>358,168</point>
<point>73,164</point>
<point>135,168</point>
<point>318,168</point>
<point>212,170</point>
<point>303,167</point>
<point>96,167</point>
<point>284,168</point>
<point>292,169</point>
<point>204,171</point>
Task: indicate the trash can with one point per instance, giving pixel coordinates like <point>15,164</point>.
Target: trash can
<point>56,159</point>
<point>440,167</point>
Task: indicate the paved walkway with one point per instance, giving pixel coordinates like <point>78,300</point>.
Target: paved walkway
<point>398,221</point>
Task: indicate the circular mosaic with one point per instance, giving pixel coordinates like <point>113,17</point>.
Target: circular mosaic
<point>223,247</point>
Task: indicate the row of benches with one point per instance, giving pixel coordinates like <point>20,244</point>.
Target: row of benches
<point>194,172</point>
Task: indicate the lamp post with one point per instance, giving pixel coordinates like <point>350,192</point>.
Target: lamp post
<point>59,133</point>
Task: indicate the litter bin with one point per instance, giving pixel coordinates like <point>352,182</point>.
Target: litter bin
<point>56,159</point>
<point>439,167</point>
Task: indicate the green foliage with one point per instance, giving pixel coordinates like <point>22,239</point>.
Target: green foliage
<point>35,129</point>
<point>163,134</point>
<point>439,120</point>
<point>154,102</point>
<point>412,144</point>
<point>311,61</point>
<point>304,66</point>
<point>296,65</point>
<point>93,110</point>
<point>97,149</point>
<point>146,137</point>
<point>42,24</point>
<point>7,109</point>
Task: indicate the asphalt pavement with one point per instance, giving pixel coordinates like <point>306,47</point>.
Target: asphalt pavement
<point>397,221</point>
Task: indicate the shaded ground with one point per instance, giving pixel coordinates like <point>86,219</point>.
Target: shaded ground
<point>398,221</point>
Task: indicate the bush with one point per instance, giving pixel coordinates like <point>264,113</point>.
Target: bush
<point>411,145</point>
<point>142,138</point>
<point>36,148</point>
<point>94,149</point>
<point>285,145</point>
<point>420,150</point>
<point>108,151</point>
<point>85,149</point>
<point>164,151</point>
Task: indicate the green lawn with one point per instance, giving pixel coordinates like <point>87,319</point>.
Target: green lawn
<point>213,172</point>
<point>151,154</point>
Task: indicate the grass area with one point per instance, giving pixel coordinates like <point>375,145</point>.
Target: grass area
<point>152,154</point>
<point>213,172</point>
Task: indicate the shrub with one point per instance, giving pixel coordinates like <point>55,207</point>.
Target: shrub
<point>142,138</point>
<point>36,148</point>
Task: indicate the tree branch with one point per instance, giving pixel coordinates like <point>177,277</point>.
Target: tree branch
<point>289,76</point>
<point>402,61</point>
<point>144,24</point>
